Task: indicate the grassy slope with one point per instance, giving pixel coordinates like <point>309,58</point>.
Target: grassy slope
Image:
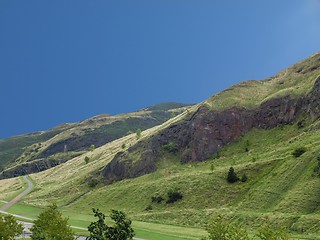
<point>295,81</point>
<point>281,189</point>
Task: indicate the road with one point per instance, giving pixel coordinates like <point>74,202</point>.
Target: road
<point>27,224</point>
<point>21,195</point>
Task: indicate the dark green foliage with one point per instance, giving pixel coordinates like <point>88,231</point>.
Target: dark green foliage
<point>148,208</point>
<point>123,146</point>
<point>93,182</point>
<point>299,151</point>
<point>157,199</point>
<point>301,124</point>
<point>87,159</point>
<point>51,225</point>
<point>170,147</point>
<point>9,228</point>
<point>232,176</point>
<point>246,146</point>
<point>244,178</point>
<point>121,230</point>
<point>211,167</point>
<point>173,196</point>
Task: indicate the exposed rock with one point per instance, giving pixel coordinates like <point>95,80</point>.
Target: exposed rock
<point>31,167</point>
<point>202,134</point>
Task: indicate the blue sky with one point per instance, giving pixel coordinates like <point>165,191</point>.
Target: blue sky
<point>67,60</point>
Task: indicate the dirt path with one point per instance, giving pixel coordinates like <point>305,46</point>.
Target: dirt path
<point>21,195</point>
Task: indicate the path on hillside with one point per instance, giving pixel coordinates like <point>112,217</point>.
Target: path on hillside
<point>28,225</point>
<point>21,195</point>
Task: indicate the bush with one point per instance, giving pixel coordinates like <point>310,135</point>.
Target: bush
<point>157,199</point>
<point>174,196</point>
<point>148,208</point>
<point>92,147</point>
<point>299,151</point>
<point>123,146</point>
<point>93,182</point>
<point>170,147</point>
<point>267,233</point>
<point>232,176</point>
<point>138,133</point>
<point>220,229</point>
<point>244,178</point>
<point>87,159</point>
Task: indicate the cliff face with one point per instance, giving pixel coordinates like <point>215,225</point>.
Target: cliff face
<point>202,134</point>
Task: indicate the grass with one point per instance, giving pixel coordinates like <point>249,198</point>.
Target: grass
<point>290,82</point>
<point>281,189</point>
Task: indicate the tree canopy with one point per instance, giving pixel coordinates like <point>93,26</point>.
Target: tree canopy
<point>51,225</point>
<point>121,230</point>
<point>9,228</point>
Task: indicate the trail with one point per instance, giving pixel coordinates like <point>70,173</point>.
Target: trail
<point>21,195</point>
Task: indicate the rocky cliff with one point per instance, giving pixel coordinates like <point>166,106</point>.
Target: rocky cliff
<point>203,133</point>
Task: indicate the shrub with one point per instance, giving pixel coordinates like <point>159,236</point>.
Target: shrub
<point>244,178</point>
<point>232,176</point>
<point>174,196</point>
<point>87,159</point>
<point>267,233</point>
<point>138,133</point>
<point>93,182</point>
<point>148,208</point>
<point>157,199</point>
<point>123,146</point>
<point>170,147</point>
<point>92,147</point>
<point>299,151</point>
<point>219,229</point>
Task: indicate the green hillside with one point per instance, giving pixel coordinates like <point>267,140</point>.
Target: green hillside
<point>69,140</point>
<point>281,162</point>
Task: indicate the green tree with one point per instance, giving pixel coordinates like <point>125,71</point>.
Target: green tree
<point>121,230</point>
<point>50,225</point>
<point>9,228</point>
<point>232,176</point>
<point>87,159</point>
<point>220,229</point>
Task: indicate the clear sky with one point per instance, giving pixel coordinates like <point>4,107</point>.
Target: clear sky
<point>67,60</point>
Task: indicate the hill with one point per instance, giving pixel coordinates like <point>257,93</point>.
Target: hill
<point>39,151</point>
<point>267,130</point>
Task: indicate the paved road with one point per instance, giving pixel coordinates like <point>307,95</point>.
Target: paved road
<point>28,225</point>
<point>21,195</point>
